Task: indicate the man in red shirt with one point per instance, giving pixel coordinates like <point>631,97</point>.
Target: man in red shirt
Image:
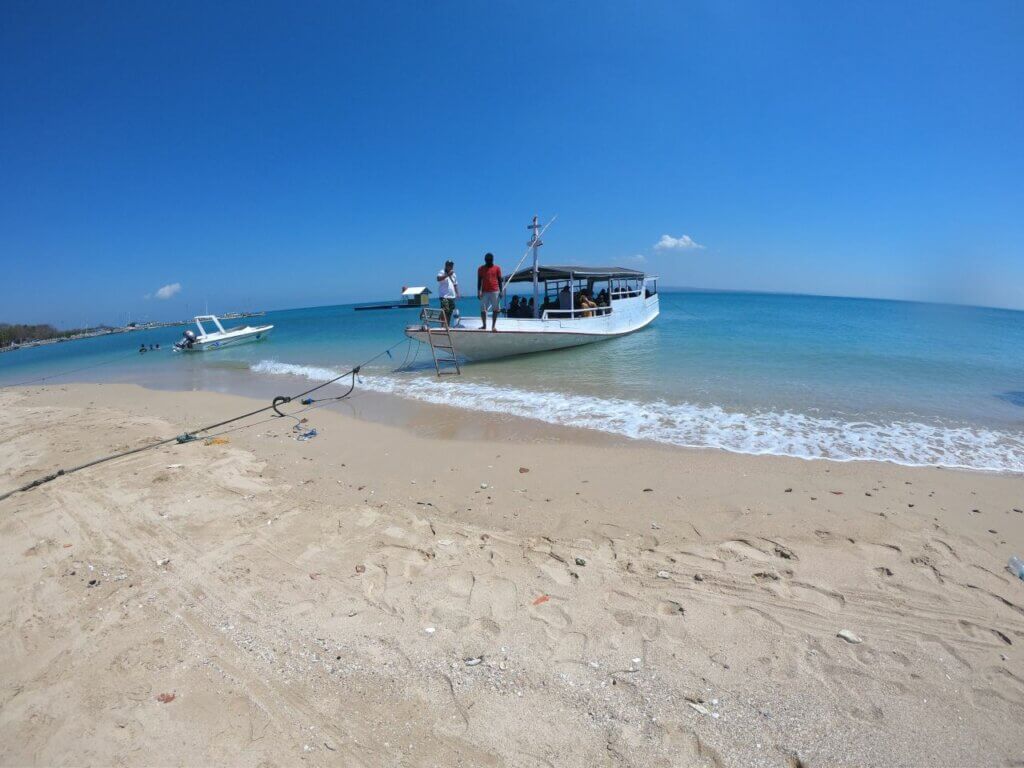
<point>488,290</point>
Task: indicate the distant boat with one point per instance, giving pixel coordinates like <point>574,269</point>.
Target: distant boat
<point>558,321</point>
<point>207,340</point>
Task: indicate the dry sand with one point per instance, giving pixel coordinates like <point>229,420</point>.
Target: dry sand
<point>631,604</point>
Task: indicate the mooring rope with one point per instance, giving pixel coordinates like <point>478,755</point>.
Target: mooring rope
<point>119,358</point>
<point>191,435</point>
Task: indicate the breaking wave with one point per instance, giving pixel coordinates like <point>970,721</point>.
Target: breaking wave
<point>761,432</point>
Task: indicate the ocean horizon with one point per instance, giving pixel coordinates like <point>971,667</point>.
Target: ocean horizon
<point>812,377</point>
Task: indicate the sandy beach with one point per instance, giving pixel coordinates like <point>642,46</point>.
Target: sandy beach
<point>473,590</point>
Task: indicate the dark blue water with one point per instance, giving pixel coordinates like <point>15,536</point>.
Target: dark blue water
<point>757,373</point>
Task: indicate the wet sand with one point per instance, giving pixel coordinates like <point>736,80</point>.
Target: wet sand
<point>424,586</point>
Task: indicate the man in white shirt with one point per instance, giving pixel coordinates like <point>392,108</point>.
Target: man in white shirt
<point>448,289</point>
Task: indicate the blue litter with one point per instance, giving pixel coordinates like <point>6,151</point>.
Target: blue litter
<point>307,435</point>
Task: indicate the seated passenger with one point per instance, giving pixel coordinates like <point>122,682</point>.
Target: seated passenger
<point>587,304</point>
<point>513,308</point>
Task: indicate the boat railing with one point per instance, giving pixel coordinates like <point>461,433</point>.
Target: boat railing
<point>626,294</point>
<point>209,318</point>
<point>554,314</point>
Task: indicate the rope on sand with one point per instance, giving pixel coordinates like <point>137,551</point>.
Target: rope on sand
<point>190,436</point>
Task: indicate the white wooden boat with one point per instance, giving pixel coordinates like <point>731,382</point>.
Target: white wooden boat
<point>558,321</point>
<point>220,338</point>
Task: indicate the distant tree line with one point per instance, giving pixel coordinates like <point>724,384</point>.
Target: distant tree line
<point>19,333</point>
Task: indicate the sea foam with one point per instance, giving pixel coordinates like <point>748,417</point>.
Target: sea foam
<point>779,433</point>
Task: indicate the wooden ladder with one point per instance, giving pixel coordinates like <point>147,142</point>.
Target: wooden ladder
<point>439,337</point>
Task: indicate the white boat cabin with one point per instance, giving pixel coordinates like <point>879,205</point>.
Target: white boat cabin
<point>570,292</point>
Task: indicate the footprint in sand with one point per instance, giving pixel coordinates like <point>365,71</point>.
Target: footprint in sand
<point>695,561</point>
<point>570,648</point>
<point>755,616</point>
<point>943,546</point>
<point>494,596</point>
<point>460,584</point>
<point>925,562</point>
<point>782,551</point>
<point>741,549</point>
<point>802,591</point>
<point>987,633</point>
<point>1002,684</point>
<point>824,598</point>
<point>554,616</point>
<point>552,565</point>
<point>671,608</point>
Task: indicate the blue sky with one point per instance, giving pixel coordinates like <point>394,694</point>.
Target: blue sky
<point>301,154</point>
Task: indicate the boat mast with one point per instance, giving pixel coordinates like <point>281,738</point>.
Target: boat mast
<point>535,243</point>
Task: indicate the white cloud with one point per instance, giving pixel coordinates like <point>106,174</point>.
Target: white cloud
<point>681,243</point>
<point>168,291</point>
<point>637,259</point>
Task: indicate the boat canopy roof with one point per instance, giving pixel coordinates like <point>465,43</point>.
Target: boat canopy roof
<point>550,272</point>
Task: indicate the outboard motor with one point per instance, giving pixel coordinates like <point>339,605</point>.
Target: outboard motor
<point>188,338</point>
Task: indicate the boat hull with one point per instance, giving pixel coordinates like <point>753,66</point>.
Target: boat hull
<point>526,336</point>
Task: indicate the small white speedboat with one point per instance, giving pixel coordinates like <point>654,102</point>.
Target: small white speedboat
<point>556,318</point>
<point>206,340</point>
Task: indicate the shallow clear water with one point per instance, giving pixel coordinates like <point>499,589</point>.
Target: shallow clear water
<point>755,373</point>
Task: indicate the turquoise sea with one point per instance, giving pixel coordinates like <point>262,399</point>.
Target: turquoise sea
<point>812,377</point>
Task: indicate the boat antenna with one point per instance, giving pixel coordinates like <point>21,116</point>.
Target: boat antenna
<point>534,243</point>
